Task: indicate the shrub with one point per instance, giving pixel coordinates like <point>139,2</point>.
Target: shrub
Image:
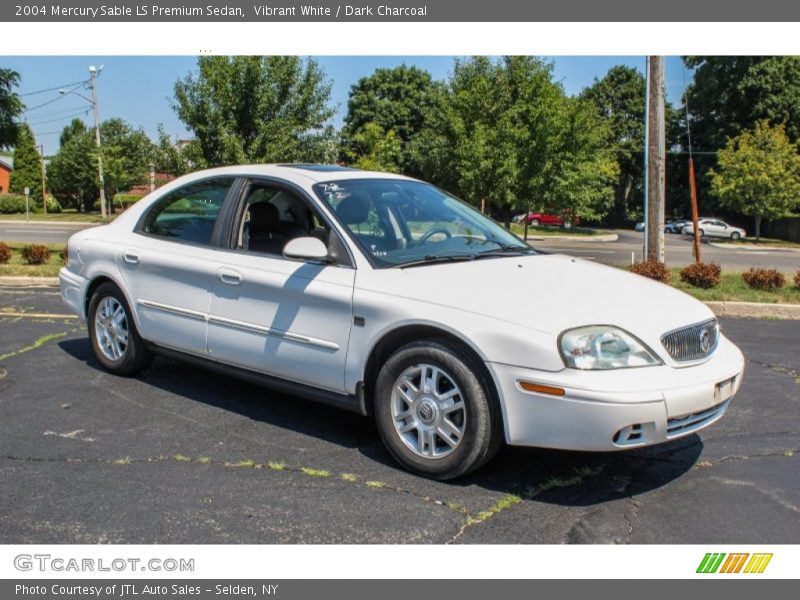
<point>63,254</point>
<point>5,253</point>
<point>797,279</point>
<point>36,254</point>
<point>12,203</point>
<point>652,269</point>
<point>701,275</point>
<point>126,200</point>
<point>764,279</point>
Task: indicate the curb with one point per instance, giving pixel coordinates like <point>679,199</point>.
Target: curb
<point>755,310</point>
<point>605,237</point>
<point>46,224</point>
<point>28,281</point>
<point>751,247</point>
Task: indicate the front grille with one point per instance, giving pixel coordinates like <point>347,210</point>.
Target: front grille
<point>694,342</point>
<point>690,422</point>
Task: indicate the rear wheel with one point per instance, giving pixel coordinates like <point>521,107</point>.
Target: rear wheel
<point>702,233</point>
<point>535,222</point>
<point>112,332</point>
<point>436,413</point>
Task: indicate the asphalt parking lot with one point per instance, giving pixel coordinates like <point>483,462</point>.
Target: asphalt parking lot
<point>179,455</point>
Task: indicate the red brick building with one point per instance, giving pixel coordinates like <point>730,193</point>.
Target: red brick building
<point>6,166</point>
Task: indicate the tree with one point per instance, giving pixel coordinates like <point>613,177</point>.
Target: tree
<point>168,157</point>
<point>72,174</point>
<point>11,108</point>
<point>375,150</point>
<point>127,154</point>
<point>758,174</point>
<point>258,109</point>
<point>508,139</point>
<point>395,100</point>
<point>27,165</point>
<point>620,99</point>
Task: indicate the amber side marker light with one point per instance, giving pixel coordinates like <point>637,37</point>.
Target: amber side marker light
<point>541,389</point>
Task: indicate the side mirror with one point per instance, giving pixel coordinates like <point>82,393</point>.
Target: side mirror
<point>306,248</point>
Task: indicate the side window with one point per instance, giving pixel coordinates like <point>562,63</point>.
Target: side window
<point>272,217</point>
<point>189,213</point>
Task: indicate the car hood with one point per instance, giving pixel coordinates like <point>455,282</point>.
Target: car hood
<point>548,293</point>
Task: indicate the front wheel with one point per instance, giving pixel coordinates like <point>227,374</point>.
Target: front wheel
<point>735,236</point>
<point>535,222</point>
<point>112,332</point>
<point>436,413</point>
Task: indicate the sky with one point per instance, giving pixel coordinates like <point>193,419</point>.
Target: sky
<point>140,89</point>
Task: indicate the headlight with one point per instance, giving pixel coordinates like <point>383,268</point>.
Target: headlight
<point>599,347</point>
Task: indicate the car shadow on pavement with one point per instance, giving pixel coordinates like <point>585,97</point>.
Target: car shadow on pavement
<point>550,476</point>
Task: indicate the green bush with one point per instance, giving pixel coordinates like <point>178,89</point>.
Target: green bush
<point>702,275</point>
<point>12,203</point>
<point>5,253</point>
<point>36,254</point>
<point>126,200</point>
<point>764,279</point>
<point>651,269</point>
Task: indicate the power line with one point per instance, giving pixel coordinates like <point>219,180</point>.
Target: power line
<point>52,89</point>
<point>85,111</point>
<point>56,99</point>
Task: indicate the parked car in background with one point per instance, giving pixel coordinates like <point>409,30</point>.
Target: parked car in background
<point>386,296</point>
<point>715,228</point>
<point>550,219</point>
<point>676,226</point>
<point>639,226</point>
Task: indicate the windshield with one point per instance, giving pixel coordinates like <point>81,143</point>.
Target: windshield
<point>399,223</point>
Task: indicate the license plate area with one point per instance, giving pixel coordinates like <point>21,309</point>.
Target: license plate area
<point>724,390</point>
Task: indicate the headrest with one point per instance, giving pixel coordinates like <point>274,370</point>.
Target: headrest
<point>354,209</point>
<point>263,217</point>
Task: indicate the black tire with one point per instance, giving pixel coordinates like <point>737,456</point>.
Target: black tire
<point>736,236</point>
<point>135,356</point>
<point>483,430</point>
<point>535,223</point>
<point>702,233</point>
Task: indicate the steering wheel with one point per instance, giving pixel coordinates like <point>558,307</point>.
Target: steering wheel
<point>424,238</point>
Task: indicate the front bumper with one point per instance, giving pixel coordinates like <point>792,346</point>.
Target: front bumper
<point>73,291</point>
<point>620,409</point>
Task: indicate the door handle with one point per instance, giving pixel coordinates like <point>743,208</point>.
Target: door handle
<point>130,257</point>
<point>230,277</point>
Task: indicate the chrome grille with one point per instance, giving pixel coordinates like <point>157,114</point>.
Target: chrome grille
<point>694,342</point>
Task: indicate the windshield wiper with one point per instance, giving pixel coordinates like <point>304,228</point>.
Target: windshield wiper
<point>507,249</point>
<point>435,258</point>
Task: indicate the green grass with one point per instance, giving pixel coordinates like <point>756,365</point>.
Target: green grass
<point>71,216</point>
<point>519,229</point>
<point>732,288</point>
<point>17,266</point>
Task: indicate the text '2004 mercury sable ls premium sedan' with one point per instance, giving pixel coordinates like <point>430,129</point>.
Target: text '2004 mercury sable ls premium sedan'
<point>387,296</point>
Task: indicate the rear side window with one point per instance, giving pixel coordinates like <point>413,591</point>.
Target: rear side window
<point>189,213</point>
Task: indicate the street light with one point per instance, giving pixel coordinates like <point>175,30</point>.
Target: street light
<point>94,73</point>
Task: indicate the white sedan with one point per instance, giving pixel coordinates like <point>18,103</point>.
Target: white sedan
<point>715,228</point>
<point>386,296</point>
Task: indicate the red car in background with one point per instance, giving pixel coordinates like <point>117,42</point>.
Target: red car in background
<point>543,218</point>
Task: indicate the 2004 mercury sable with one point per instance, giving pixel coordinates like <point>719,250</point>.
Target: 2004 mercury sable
<point>386,296</point>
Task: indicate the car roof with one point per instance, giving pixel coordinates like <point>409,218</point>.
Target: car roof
<point>313,173</point>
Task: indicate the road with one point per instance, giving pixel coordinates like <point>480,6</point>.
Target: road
<point>678,251</point>
<point>179,455</point>
<point>38,232</point>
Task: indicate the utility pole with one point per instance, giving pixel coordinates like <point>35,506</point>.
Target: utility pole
<point>93,73</point>
<point>656,159</point>
<point>44,188</point>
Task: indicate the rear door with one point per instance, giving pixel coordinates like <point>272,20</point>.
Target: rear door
<point>286,318</point>
<point>168,266</point>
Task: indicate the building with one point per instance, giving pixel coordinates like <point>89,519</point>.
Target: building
<point>6,166</point>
